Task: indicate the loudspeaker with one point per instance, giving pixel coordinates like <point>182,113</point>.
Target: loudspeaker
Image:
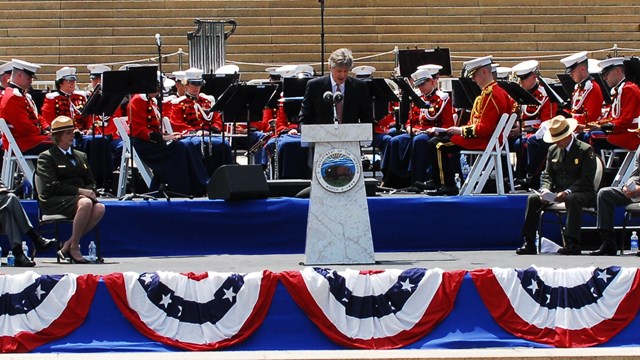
<point>238,182</point>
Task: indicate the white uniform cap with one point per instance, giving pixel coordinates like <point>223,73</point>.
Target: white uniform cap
<point>287,71</point>
<point>421,76</point>
<point>167,84</point>
<point>228,69</point>
<point>194,76</point>
<point>608,64</point>
<point>433,68</point>
<point>6,67</point>
<point>503,72</point>
<point>523,69</point>
<point>472,65</point>
<point>363,70</point>
<point>25,66</point>
<point>97,69</point>
<point>66,73</point>
<point>180,75</point>
<point>571,61</point>
<point>128,66</point>
<point>592,66</point>
<point>272,70</point>
<point>304,71</point>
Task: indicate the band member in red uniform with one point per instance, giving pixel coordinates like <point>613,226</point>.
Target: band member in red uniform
<point>172,161</point>
<point>624,113</point>
<point>5,75</point>
<point>486,112</point>
<point>407,156</point>
<point>531,157</point>
<point>586,99</point>
<point>67,101</point>
<point>30,131</point>
<point>192,117</point>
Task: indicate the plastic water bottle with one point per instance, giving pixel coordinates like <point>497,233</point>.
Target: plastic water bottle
<point>466,169</point>
<point>456,178</point>
<point>11,260</point>
<point>537,240</point>
<point>25,249</point>
<point>634,243</point>
<point>0,256</point>
<point>92,252</point>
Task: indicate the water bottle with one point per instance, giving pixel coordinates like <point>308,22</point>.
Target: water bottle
<point>92,252</point>
<point>634,243</point>
<point>27,190</point>
<point>537,240</point>
<point>11,260</point>
<point>0,256</point>
<point>466,169</point>
<point>25,249</point>
<point>456,178</point>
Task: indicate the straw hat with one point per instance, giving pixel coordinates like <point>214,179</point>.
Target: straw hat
<point>560,128</point>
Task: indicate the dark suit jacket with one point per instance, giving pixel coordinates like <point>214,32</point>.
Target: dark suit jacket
<point>61,179</point>
<point>576,172</point>
<point>357,106</point>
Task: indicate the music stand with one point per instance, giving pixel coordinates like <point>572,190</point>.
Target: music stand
<point>293,90</point>
<point>38,97</point>
<point>118,84</point>
<point>243,102</point>
<point>604,88</point>
<point>216,84</point>
<point>518,93</point>
<point>381,96</point>
<point>409,60</point>
<point>556,93</point>
<point>632,69</point>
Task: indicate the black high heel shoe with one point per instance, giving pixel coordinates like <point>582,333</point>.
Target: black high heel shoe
<point>61,256</point>
<point>76,261</point>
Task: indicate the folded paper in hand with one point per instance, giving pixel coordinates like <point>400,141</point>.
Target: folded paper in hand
<point>547,196</point>
<point>632,186</point>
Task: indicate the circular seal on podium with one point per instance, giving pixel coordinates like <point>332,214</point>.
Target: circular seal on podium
<point>338,170</point>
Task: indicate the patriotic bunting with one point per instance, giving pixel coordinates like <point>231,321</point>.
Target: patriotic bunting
<point>35,310</point>
<point>377,309</point>
<point>564,308</point>
<point>194,311</point>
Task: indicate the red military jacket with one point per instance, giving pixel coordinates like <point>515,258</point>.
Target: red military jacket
<point>486,112</point>
<point>189,113</point>
<point>624,114</point>
<point>21,114</point>
<point>586,102</point>
<point>439,113</point>
<point>534,115</point>
<point>283,125</point>
<point>58,103</point>
<point>144,116</point>
<point>383,125</point>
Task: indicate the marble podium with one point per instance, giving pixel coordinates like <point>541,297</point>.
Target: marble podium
<point>338,226</point>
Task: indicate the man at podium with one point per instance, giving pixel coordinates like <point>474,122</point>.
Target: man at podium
<point>350,95</point>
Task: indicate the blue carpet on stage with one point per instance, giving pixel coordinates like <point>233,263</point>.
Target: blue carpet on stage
<point>275,226</point>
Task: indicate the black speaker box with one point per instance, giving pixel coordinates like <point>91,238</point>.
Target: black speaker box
<point>238,182</point>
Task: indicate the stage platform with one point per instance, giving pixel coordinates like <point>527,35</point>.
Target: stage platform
<point>459,235</point>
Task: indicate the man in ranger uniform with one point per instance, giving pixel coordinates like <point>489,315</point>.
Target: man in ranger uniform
<point>486,112</point>
<point>29,130</point>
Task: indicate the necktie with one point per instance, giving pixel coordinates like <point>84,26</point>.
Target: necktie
<point>340,104</point>
<point>70,157</point>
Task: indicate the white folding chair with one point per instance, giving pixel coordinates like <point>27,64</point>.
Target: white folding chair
<point>166,124</point>
<point>626,168</point>
<point>12,156</point>
<point>488,159</point>
<point>128,152</point>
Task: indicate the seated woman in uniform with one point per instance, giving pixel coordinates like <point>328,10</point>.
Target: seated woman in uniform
<point>69,188</point>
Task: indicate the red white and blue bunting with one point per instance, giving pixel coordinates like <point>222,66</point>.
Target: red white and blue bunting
<point>35,310</point>
<point>194,311</point>
<point>564,308</point>
<point>375,309</point>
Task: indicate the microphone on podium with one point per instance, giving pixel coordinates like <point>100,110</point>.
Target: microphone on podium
<point>328,97</point>
<point>158,40</point>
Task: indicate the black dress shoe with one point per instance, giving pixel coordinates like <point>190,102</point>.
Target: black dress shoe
<point>21,260</point>
<point>42,244</point>
<point>444,190</point>
<point>570,250</point>
<point>527,249</point>
<point>605,249</point>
